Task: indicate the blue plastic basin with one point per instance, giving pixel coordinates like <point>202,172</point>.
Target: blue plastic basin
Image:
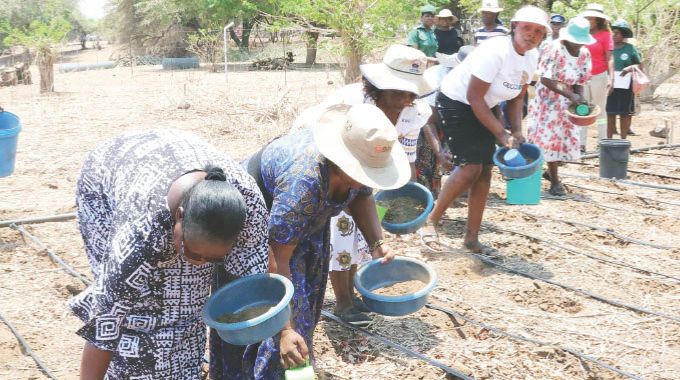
<point>10,126</point>
<point>375,275</point>
<point>244,293</point>
<point>411,190</point>
<point>530,152</point>
<point>180,63</point>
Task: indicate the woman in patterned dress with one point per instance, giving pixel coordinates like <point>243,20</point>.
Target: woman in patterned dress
<point>308,177</point>
<point>564,68</point>
<point>157,210</point>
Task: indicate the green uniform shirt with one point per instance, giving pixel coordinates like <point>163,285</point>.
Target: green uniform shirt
<point>423,40</point>
<point>625,56</point>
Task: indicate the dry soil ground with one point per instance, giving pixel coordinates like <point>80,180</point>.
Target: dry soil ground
<point>632,257</point>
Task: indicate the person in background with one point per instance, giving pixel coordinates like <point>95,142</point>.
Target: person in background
<point>491,25</point>
<point>621,101</point>
<point>556,24</point>
<point>564,69</point>
<point>158,211</point>
<point>447,36</point>
<point>308,177</point>
<point>422,37</point>
<point>601,82</point>
<point>392,85</point>
<point>498,69</point>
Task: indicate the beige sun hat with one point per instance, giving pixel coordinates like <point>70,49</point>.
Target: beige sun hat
<point>445,13</point>
<point>594,10</point>
<point>402,69</point>
<point>490,6</point>
<point>363,143</point>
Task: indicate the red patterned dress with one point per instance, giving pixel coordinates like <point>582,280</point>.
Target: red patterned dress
<point>548,126</point>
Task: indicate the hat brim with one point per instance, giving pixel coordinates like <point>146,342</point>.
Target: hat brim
<point>492,10</point>
<point>327,136</point>
<point>565,36</point>
<point>384,78</point>
<point>625,32</point>
<point>594,14</point>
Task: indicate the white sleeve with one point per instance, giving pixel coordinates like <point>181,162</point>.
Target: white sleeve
<point>488,62</point>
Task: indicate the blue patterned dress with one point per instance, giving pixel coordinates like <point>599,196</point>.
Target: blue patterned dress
<point>296,175</point>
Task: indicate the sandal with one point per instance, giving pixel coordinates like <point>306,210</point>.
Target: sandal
<point>557,190</point>
<point>428,234</point>
<point>360,305</point>
<point>356,318</point>
<point>483,249</point>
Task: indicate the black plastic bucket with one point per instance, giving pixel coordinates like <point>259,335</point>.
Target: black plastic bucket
<point>614,158</point>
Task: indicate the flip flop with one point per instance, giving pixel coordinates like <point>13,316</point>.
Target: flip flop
<point>429,237</point>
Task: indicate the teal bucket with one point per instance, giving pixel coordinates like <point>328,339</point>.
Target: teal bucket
<point>9,133</point>
<point>525,191</point>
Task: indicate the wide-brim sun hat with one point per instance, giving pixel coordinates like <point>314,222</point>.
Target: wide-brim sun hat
<point>364,144</point>
<point>594,10</point>
<point>577,31</point>
<point>533,15</point>
<point>446,13</point>
<point>490,6</point>
<point>623,26</point>
<point>402,69</point>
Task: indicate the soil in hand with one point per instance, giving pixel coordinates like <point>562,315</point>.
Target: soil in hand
<point>402,209</point>
<point>400,288</point>
<point>244,315</point>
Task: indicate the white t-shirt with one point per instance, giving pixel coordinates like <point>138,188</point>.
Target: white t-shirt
<point>411,119</point>
<point>496,62</point>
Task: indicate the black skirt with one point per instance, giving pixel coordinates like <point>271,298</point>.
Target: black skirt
<point>469,140</point>
<point>621,102</point>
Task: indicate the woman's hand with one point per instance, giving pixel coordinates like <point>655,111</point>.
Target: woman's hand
<point>576,98</point>
<point>293,348</point>
<point>383,251</point>
<point>445,160</point>
<point>517,138</point>
<point>503,139</point>
<point>610,86</point>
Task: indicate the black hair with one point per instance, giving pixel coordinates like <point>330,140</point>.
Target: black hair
<point>602,24</point>
<point>213,208</point>
<point>370,90</point>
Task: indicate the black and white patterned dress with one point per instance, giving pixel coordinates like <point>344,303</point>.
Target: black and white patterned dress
<point>146,302</point>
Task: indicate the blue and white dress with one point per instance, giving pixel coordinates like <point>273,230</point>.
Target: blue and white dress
<point>145,303</point>
<point>296,176</point>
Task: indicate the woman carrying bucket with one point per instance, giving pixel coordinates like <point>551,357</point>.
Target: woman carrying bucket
<point>308,177</point>
<point>498,69</point>
<point>157,210</point>
<point>391,85</point>
<point>564,69</point>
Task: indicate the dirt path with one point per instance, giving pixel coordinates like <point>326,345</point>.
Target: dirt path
<point>253,107</point>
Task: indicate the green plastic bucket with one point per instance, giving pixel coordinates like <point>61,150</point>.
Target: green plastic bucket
<point>524,191</point>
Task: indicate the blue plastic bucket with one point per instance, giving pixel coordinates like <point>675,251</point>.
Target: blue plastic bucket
<point>9,134</point>
<point>412,190</point>
<point>525,191</point>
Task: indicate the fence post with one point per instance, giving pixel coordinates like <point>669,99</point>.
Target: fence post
<point>226,27</point>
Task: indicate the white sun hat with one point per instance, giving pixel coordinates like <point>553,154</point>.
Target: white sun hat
<point>490,6</point>
<point>446,13</point>
<point>594,10</point>
<point>401,69</point>
<point>364,144</point>
<point>534,15</point>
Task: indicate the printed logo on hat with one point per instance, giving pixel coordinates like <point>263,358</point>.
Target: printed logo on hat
<point>415,67</point>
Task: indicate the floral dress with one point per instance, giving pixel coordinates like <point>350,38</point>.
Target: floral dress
<point>548,126</point>
<point>145,303</point>
<point>296,176</point>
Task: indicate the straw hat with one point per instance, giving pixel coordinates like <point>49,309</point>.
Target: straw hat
<point>532,14</point>
<point>445,13</point>
<point>402,69</point>
<point>490,6</point>
<point>577,31</point>
<point>594,10</point>
<point>363,143</point>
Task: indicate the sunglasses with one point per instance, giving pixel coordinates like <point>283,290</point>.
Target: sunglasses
<point>188,255</point>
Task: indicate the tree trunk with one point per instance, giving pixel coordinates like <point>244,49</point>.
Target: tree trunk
<point>353,60</point>
<point>45,58</point>
<point>312,43</point>
<point>245,37</point>
<point>234,36</point>
<point>657,81</point>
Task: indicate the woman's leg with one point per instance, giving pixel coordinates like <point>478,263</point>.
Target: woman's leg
<point>479,193</point>
<point>611,125</point>
<point>462,178</point>
<point>552,169</point>
<point>625,125</point>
